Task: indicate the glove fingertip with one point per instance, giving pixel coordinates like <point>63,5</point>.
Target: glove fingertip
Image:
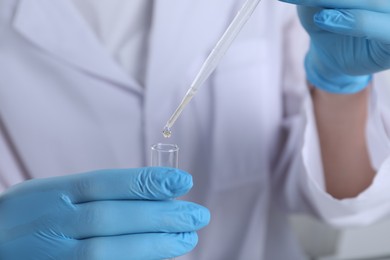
<point>160,183</point>
<point>178,182</point>
<point>179,244</point>
<point>188,240</point>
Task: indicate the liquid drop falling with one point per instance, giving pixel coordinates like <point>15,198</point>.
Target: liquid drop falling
<point>167,132</point>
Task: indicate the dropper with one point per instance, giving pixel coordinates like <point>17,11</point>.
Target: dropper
<point>213,59</point>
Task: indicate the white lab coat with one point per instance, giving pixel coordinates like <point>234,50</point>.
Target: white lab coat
<point>66,107</point>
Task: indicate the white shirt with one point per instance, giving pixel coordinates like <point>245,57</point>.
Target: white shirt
<point>67,107</point>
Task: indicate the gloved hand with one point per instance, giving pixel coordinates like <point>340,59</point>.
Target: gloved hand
<point>350,40</point>
<point>110,214</point>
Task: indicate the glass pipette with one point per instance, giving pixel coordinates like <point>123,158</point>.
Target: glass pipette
<point>213,59</point>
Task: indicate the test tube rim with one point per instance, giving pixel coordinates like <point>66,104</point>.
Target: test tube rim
<point>163,147</point>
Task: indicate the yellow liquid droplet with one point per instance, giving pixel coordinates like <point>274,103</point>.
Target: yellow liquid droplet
<point>167,132</point>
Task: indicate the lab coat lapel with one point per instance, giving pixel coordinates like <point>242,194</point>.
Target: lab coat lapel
<point>56,27</point>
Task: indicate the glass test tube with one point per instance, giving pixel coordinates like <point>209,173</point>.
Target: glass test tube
<point>165,155</point>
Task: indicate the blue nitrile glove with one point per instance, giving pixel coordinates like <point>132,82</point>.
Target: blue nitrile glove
<point>109,214</point>
<point>350,40</point>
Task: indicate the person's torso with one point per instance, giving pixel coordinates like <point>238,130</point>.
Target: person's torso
<point>66,107</point>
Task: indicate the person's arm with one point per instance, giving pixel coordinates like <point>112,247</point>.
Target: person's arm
<point>341,121</point>
<point>348,44</point>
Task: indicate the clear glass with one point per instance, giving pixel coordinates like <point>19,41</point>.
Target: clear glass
<point>165,155</point>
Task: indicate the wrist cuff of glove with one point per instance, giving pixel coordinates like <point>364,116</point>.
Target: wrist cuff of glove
<point>333,83</point>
